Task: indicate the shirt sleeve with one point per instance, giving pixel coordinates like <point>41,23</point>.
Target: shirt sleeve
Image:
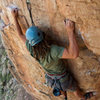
<point>56,51</point>
<point>29,48</point>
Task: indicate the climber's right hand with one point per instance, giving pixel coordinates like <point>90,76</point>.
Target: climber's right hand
<point>15,12</point>
<point>70,25</point>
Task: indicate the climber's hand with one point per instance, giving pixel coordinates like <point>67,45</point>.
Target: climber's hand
<point>70,25</point>
<point>15,12</point>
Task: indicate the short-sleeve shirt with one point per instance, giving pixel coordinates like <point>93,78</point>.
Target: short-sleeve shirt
<point>52,62</point>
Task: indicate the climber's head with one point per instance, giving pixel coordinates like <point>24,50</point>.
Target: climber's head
<point>34,35</point>
<point>37,39</point>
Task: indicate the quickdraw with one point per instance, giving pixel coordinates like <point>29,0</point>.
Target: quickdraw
<point>29,9</point>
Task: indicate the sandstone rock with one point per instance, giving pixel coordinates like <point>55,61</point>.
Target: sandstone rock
<point>49,15</point>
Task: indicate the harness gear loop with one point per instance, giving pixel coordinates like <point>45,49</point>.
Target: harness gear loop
<point>56,90</point>
<point>29,9</point>
<point>56,85</point>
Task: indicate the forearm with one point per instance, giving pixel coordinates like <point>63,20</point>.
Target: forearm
<point>19,31</point>
<point>73,51</point>
<point>73,46</point>
<point>18,28</point>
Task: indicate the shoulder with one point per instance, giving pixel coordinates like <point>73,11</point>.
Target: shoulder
<point>27,44</point>
<point>29,47</point>
<point>57,51</point>
<point>56,48</point>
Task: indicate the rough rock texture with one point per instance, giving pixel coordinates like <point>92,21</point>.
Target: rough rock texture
<point>49,15</point>
<point>10,89</point>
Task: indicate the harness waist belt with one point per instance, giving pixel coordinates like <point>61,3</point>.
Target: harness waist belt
<point>57,74</point>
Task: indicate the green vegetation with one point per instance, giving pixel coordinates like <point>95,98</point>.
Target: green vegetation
<point>8,84</point>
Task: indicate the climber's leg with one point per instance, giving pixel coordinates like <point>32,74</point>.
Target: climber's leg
<point>88,95</point>
<point>82,95</point>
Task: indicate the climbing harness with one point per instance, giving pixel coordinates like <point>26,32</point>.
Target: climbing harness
<point>29,9</point>
<point>56,85</point>
<point>56,90</point>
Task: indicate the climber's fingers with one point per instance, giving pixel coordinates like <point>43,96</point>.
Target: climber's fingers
<point>68,21</point>
<point>70,25</point>
<point>14,12</point>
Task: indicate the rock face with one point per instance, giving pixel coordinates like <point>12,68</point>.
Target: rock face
<point>49,15</point>
<point>10,89</point>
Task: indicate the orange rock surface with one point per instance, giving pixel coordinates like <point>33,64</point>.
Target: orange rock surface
<point>48,15</point>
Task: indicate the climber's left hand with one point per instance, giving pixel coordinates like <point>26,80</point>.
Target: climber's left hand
<point>15,12</point>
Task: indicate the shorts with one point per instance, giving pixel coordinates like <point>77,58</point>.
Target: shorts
<point>67,82</point>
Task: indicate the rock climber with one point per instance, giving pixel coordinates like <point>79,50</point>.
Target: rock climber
<point>50,57</point>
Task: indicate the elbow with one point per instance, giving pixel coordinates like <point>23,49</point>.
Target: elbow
<point>75,56</point>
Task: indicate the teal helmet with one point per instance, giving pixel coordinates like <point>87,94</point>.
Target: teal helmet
<point>34,35</point>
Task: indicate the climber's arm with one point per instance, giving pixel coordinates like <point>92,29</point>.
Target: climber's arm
<point>73,51</point>
<point>18,28</point>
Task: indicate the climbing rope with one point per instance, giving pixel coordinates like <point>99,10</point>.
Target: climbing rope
<point>29,9</point>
